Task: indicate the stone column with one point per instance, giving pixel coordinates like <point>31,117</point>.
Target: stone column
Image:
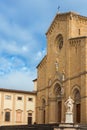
<point>52,110</point>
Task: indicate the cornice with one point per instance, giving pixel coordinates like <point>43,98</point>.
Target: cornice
<point>76,38</point>
<point>66,80</point>
<point>17,91</point>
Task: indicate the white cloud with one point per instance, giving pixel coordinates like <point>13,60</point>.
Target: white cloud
<point>22,25</point>
<point>4,64</point>
<point>40,55</point>
<point>18,80</point>
<point>13,30</point>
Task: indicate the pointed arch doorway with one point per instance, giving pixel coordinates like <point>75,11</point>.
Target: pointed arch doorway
<point>77,98</point>
<point>59,102</point>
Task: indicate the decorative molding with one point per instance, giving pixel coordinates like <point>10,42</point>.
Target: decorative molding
<point>75,43</point>
<point>76,76</point>
<point>70,78</point>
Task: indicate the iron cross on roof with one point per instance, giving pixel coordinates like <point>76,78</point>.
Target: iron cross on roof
<point>58,8</point>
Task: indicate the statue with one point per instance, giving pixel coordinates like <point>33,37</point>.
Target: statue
<point>69,104</point>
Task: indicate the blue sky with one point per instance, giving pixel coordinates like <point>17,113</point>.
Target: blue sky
<point>23,24</point>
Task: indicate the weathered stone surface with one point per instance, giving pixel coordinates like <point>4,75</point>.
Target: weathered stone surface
<point>72,62</point>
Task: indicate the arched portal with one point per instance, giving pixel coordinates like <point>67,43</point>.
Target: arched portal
<point>77,98</point>
<point>58,94</point>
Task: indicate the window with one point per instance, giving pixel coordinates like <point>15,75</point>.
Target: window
<point>7,116</point>
<point>79,31</point>
<point>30,99</point>
<point>60,41</point>
<point>19,116</point>
<point>59,91</point>
<point>77,96</point>
<point>8,97</point>
<point>19,98</point>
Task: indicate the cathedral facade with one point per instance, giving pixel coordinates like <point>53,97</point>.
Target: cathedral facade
<point>63,71</point>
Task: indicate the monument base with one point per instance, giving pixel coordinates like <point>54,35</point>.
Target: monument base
<point>69,117</point>
<point>66,126</point>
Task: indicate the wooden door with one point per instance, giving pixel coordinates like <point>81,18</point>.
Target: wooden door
<point>44,117</point>
<point>59,111</point>
<point>77,113</point>
<point>29,120</point>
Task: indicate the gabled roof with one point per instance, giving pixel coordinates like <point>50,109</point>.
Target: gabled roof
<point>64,14</point>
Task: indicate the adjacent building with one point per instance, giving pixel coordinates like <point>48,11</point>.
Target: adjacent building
<point>63,71</point>
<point>17,107</point>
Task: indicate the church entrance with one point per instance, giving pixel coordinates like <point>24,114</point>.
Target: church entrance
<point>77,113</point>
<point>58,94</point>
<point>77,106</point>
<point>59,110</point>
<point>44,116</point>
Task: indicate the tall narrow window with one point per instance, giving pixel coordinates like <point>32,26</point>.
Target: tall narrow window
<point>79,31</point>
<point>19,116</point>
<point>59,42</point>
<point>7,116</point>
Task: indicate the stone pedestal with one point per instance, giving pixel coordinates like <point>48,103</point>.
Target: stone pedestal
<point>69,117</point>
<point>66,126</point>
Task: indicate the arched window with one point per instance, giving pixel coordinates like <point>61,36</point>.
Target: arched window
<point>43,103</point>
<point>77,96</point>
<point>58,90</point>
